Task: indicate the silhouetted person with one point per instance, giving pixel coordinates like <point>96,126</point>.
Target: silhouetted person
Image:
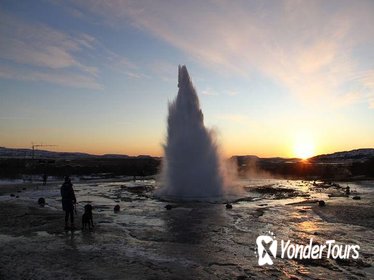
<point>68,201</point>
<point>347,190</point>
<point>45,179</point>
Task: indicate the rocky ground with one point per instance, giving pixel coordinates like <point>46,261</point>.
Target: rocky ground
<point>190,241</point>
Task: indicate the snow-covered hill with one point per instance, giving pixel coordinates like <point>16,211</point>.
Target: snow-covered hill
<point>354,155</point>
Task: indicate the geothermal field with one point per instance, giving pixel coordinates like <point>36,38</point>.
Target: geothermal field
<point>192,221</point>
<point>254,161</point>
<point>193,240</point>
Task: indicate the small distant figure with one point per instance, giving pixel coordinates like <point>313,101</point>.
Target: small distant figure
<point>117,208</point>
<point>134,178</point>
<point>68,201</point>
<point>347,190</point>
<point>87,220</point>
<point>45,177</point>
<point>41,202</point>
<point>228,206</point>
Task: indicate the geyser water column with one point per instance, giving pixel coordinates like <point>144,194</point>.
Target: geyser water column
<point>191,166</point>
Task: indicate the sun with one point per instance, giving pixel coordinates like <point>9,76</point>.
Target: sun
<point>304,147</point>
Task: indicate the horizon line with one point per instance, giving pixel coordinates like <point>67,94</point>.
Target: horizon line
<point>161,156</point>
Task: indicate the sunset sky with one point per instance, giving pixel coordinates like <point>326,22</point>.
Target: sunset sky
<point>275,78</point>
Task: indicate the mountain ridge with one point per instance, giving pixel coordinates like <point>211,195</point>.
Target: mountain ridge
<point>352,155</point>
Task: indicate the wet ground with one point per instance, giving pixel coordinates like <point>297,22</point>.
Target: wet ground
<point>193,240</point>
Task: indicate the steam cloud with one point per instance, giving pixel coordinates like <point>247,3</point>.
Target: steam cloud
<point>191,167</point>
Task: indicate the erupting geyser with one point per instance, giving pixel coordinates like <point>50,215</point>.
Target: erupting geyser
<point>191,167</point>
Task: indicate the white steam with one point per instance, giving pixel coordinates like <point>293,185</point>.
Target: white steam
<point>191,166</point>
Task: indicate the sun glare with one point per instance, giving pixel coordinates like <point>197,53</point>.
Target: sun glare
<point>304,146</point>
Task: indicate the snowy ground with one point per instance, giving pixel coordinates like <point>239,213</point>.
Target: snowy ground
<point>191,241</point>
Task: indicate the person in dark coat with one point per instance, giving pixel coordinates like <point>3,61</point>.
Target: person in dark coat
<point>68,201</point>
<point>45,179</point>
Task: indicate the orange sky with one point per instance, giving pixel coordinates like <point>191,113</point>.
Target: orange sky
<point>274,78</point>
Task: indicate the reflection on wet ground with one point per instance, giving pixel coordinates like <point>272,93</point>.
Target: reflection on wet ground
<point>208,241</point>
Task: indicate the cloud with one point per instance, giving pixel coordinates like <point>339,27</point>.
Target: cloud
<point>44,53</point>
<point>60,78</point>
<point>209,92</point>
<point>120,64</point>
<point>308,47</point>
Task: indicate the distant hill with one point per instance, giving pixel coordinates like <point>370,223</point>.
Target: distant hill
<point>251,159</point>
<point>359,155</point>
<point>348,165</point>
<point>28,153</point>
